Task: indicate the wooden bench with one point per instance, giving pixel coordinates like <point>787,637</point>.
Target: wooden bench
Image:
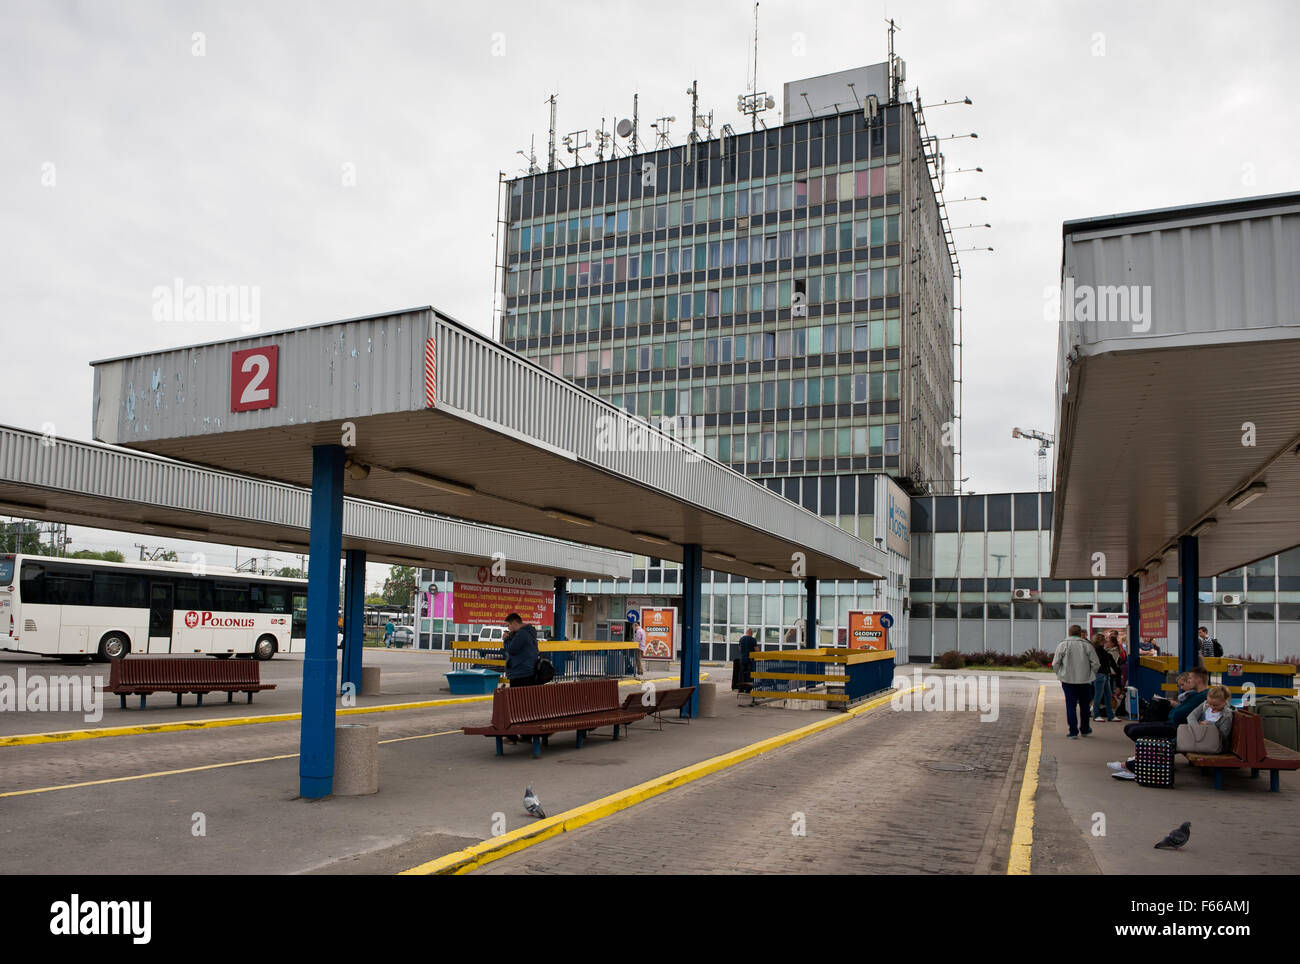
<point>145,675</point>
<point>1248,748</point>
<point>665,700</point>
<point>539,711</point>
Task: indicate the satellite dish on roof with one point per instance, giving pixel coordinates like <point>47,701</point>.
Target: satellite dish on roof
<point>624,128</point>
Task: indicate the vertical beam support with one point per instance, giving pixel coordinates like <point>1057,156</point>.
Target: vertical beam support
<point>692,601</point>
<point>354,610</point>
<point>810,615</point>
<point>561,608</point>
<point>320,667</point>
<point>1134,630</point>
<point>1188,595</point>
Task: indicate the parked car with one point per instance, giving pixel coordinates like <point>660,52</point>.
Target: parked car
<point>403,636</point>
<point>492,634</point>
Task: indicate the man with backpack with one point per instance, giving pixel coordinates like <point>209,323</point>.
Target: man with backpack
<point>520,644</point>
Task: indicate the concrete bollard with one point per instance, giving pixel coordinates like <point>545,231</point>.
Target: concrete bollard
<point>356,759</point>
<point>370,680</point>
<point>708,694</point>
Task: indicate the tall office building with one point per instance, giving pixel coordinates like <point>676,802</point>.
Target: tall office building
<point>789,289</point>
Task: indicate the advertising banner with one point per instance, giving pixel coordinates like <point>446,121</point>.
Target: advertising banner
<point>865,631</point>
<point>479,596</point>
<point>660,627</point>
<point>1153,611</point>
<point>1108,623</point>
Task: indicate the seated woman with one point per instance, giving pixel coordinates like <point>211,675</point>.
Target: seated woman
<point>1217,711</point>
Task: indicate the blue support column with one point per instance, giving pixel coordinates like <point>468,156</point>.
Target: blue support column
<point>810,617</point>
<point>561,607</point>
<point>692,578</point>
<point>354,610</point>
<point>320,667</point>
<point>1134,630</point>
<point>1188,596</point>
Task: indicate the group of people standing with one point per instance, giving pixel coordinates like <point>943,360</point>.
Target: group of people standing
<point>1094,676</point>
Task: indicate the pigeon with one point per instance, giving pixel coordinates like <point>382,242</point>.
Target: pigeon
<point>532,804</point>
<point>1177,838</point>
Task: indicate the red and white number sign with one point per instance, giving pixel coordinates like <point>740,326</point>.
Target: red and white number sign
<point>253,376</point>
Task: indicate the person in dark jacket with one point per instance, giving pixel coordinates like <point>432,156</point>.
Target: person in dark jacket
<point>1103,684</point>
<point>521,652</point>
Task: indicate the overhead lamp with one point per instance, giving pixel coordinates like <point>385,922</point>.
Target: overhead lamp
<point>652,539</point>
<point>724,556</point>
<point>1247,495</point>
<point>434,482</point>
<point>356,470</point>
<point>1205,525</point>
<point>577,520</point>
<point>763,567</point>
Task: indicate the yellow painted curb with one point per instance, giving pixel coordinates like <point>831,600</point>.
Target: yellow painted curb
<point>1022,840</point>
<point>67,736</point>
<point>463,861</point>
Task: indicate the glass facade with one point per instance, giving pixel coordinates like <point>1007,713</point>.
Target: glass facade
<point>767,286</point>
<point>971,553</point>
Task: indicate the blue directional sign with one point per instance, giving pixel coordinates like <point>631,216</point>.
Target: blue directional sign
<point>634,615</point>
<point>886,620</point>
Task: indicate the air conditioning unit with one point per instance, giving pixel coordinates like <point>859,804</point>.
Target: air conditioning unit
<point>1233,598</point>
<point>742,221</point>
<point>1024,594</point>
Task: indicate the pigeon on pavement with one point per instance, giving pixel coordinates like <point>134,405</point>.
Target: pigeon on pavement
<point>534,806</point>
<point>1177,838</point>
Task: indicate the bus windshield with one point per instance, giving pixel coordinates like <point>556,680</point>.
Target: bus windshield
<point>6,570</point>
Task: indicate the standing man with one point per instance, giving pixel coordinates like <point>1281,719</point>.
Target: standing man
<point>388,633</point>
<point>1207,645</point>
<point>520,644</point>
<point>1076,664</point>
<point>638,634</point>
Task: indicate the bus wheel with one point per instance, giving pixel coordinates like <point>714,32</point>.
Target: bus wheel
<point>114,646</point>
<point>265,647</point>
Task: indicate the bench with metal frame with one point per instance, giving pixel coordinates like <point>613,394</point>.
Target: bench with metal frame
<point>145,675</point>
<point>664,700</point>
<point>540,711</point>
<point>1248,748</point>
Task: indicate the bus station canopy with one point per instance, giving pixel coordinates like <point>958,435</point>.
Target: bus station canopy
<point>82,483</point>
<point>1178,396</point>
<point>439,418</point>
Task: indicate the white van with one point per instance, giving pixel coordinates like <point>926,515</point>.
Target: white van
<point>492,634</point>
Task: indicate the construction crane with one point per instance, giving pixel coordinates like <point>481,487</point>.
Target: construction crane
<point>1045,441</point>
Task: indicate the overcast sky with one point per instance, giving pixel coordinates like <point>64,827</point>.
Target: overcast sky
<point>213,142</point>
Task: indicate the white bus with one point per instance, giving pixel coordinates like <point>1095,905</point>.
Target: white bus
<point>85,608</point>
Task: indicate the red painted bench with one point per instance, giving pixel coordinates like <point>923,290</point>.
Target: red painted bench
<point>664,700</point>
<point>145,675</point>
<point>539,711</point>
<point>1248,748</point>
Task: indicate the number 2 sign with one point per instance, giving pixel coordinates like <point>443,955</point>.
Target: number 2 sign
<point>253,376</point>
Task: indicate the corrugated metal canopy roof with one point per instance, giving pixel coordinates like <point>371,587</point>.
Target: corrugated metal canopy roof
<point>1163,419</point>
<point>94,485</point>
<point>452,422</point>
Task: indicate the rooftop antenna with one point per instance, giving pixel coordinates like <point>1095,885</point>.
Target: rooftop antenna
<point>531,157</point>
<point>897,69</point>
<point>636,120</point>
<point>756,101</point>
<point>576,141</point>
<point>661,126</point>
<point>603,140</point>
<point>550,154</point>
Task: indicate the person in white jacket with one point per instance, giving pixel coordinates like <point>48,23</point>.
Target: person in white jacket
<point>1076,663</point>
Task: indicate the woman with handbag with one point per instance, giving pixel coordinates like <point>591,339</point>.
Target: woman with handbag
<point>1209,727</point>
<point>1102,686</point>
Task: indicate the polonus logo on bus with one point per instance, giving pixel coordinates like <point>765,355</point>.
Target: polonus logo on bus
<point>207,620</point>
